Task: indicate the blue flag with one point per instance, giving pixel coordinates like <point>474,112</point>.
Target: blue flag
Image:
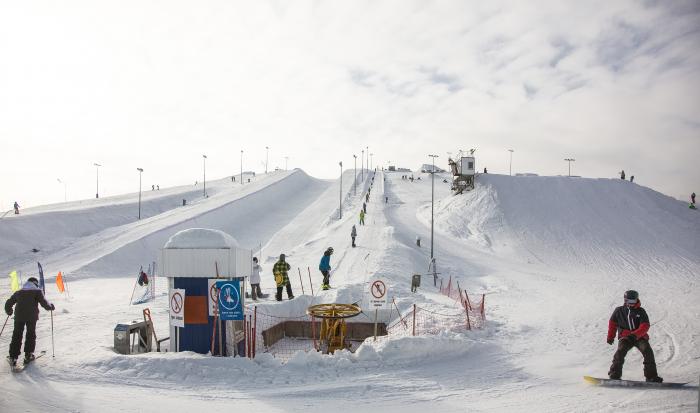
<point>41,278</point>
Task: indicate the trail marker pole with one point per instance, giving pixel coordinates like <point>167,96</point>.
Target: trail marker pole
<point>301,281</point>
<point>312,284</point>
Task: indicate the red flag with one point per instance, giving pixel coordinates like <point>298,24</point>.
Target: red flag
<point>59,282</point>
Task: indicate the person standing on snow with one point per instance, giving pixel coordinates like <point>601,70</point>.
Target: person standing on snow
<point>622,175</point>
<point>692,198</point>
<point>364,207</point>
<point>325,268</point>
<point>16,208</point>
<point>353,234</point>
<point>631,323</point>
<point>362,217</point>
<point>26,312</point>
<point>255,280</point>
<point>281,272</point>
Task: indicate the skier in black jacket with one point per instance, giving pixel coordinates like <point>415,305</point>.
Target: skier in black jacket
<point>26,312</point>
<point>631,323</point>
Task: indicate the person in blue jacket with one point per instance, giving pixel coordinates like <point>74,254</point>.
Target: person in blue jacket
<point>325,268</point>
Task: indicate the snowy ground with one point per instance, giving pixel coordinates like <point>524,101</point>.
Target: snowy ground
<point>553,255</point>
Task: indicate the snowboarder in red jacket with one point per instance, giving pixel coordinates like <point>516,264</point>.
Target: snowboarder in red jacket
<point>631,323</point>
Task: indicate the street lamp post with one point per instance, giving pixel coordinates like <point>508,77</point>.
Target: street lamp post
<point>286,160</point>
<point>204,159</point>
<point>510,165</point>
<point>371,160</point>
<point>432,202</point>
<point>241,166</point>
<point>97,173</point>
<point>65,189</point>
<point>267,153</point>
<point>367,162</point>
<point>340,205</point>
<point>362,166</point>
<point>569,160</point>
<point>140,172</point>
<point>355,180</point>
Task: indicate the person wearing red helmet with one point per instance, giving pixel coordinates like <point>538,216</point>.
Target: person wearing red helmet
<point>631,323</point>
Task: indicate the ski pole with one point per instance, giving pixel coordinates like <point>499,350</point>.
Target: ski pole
<point>3,326</point>
<point>53,349</point>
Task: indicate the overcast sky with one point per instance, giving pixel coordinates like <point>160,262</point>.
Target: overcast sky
<point>156,84</point>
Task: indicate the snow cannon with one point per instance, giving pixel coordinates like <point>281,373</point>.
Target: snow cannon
<point>333,332</point>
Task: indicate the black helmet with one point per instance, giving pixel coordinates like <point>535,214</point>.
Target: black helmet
<point>34,281</point>
<point>282,257</point>
<point>631,297</point>
<point>329,250</point>
<point>255,259</point>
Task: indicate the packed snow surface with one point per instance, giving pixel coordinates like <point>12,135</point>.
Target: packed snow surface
<point>553,256</point>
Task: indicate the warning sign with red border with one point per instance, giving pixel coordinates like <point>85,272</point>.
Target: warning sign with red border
<point>378,293</point>
<point>177,307</point>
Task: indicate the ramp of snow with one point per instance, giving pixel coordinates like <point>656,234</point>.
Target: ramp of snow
<point>596,224</point>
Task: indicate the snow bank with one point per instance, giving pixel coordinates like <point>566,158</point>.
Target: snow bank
<point>597,224</point>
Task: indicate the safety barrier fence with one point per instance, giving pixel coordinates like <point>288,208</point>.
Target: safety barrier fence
<point>474,311</point>
<point>284,336</point>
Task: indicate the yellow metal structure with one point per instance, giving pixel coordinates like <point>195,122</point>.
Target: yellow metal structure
<point>333,329</point>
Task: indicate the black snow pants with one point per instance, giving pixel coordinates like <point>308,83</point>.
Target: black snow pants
<point>623,346</point>
<point>280,288</point>
<point>326,278</point>
<point>29,341</point>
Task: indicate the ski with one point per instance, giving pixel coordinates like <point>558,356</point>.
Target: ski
<point>629,383</point>
<point>18,368</point>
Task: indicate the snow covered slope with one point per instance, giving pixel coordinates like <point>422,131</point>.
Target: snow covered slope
<point>607,225</point>
<point>552,254</point>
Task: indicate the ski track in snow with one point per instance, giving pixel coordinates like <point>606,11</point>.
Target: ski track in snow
<point>552,263</point>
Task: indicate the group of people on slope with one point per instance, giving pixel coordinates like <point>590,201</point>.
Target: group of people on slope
<point>280,270</point>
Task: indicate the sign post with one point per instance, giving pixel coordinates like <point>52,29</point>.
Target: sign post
<point>177,307</point>
<point>230,304</point>
<point>377,298</point>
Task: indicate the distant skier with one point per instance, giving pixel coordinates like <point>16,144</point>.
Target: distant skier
<point>632,178</point>
<point>353,234</point>
<point>153,187</point>
<point>631,323</point>
<point>26,312</point>
<point>325,268</point>
<point>362,217</point>
<point>622,175</point>
<point>367,197</point>
<point>143,278</point>
<point>255,291</point>
<point>157,187</point>
<point>16,208</point>
<point>485,170</point>
<point>692,198</point>
<point>364,207</point>
<point>281,273</point>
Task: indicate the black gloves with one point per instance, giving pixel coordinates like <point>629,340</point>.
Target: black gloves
<point>9,313</point>
<point>611,340</point>
<point>53,307</point>
<point>631,338</point>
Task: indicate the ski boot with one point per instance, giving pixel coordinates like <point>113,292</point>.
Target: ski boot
<point>28,358</point>
<point>12,361</point>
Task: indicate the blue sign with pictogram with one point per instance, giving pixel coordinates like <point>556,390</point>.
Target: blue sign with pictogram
<point>230,303</point>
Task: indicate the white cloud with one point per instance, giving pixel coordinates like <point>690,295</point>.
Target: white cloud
<point>156,84</point>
